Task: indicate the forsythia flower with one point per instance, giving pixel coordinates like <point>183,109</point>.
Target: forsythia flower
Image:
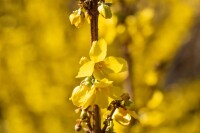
<point>105,11</point>
<point>112,68</point>
<point>77,18</point>
<point>124,116</point>
<point>95,93</point>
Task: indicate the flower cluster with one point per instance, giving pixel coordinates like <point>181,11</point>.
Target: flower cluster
<point>99,72</point>
<point>78,16</point>
<point>100,75</point>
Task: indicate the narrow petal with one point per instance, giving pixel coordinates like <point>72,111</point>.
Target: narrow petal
<point>86,69</point>
<point>98,50</point>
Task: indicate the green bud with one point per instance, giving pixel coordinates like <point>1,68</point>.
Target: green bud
<point>105,11</point>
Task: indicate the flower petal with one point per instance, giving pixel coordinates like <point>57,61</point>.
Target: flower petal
<point>103,83</point>
<point>83,60</point>
<point>113,63</point>
<point>101,99</point>
<point>101,74</point>
<point>113,68</point>
<point>78,95</point>
<point>98,50</point>
<point>114,92</point>
<point>118,77</point>
<point>86,69</point>
<point>89,98</point>
<point>122,75</point>
<point>122,117</point>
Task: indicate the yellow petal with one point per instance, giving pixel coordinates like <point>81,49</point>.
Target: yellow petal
<point>78,95</point>
<point>114,92</point>
<point>73,17</point>
<point>101,74</point>
<point>103,83</point>
<point>105,11</point>
<point>87,17</point>
<point>122,117</point>
<point>133,114</point>
<point>101,99</point>
<point>89,98</point>
<point>98,50</point>
<point>122,75</point>
<point>113,63</point>
<point>86,69</point>
<point>118,77</point>
<point>83,60</point>
<point>77,18</point>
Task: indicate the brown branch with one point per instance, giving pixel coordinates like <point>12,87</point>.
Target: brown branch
<point>96,123</point>
<point>96,119</point>
<point>94,20</point>
<point>116,104</point>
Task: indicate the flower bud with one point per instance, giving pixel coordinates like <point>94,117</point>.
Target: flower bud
<point>77,18</point>
<point>105,11</point>
<point>87,17</point>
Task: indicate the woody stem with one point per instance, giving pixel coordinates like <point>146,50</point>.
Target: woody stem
<point>96,121</point>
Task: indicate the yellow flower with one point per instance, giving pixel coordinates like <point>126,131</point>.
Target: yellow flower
<point>105,11</point>
<point>124,116</point>
<point>99,92</point>
<point>77,18</point>
<point>112,68</point>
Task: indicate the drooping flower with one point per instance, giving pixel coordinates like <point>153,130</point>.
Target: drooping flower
<point>124,116</point>
<point>112,68</point>
<point>105,11</point>
<point>95,92</point>
<point>77,18</point>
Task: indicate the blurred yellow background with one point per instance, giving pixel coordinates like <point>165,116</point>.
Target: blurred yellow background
<point>40,51</point>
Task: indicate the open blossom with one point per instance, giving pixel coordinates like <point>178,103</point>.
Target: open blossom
<point>98,93</point>
<point>112,68</point>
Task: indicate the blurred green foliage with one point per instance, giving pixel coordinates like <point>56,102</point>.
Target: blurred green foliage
<point>40,51</point>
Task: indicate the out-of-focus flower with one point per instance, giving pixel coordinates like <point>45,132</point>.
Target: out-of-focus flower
<point>98,93</point>
<point>112,68</point>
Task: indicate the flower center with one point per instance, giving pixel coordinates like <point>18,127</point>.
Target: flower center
<point>98,66</point>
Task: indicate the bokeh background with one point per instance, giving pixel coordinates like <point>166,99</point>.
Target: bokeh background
<point>40,51</point>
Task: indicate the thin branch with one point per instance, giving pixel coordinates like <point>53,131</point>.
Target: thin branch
<point>96,123</point>
<point>96,120</point>
<point>94,20</point>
